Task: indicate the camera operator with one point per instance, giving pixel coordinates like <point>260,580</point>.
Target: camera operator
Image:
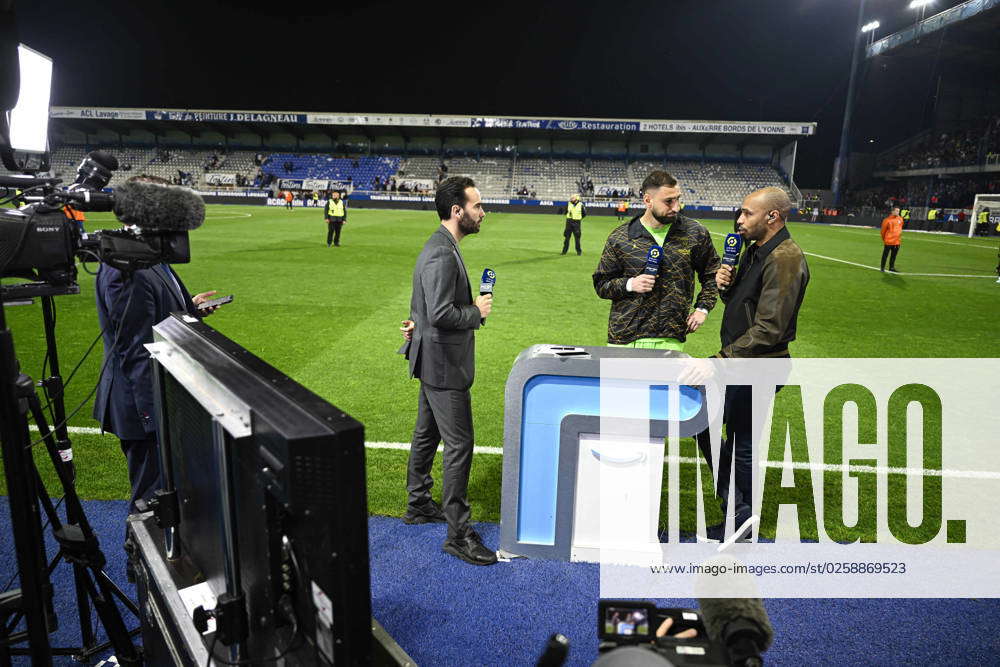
<point>128,305</point>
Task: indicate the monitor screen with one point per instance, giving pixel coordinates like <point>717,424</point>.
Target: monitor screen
<point>270,481</point>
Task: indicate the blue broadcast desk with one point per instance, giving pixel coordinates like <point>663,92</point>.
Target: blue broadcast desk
<point>552,398</point>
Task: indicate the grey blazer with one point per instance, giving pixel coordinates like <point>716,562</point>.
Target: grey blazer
<point>442,352</point>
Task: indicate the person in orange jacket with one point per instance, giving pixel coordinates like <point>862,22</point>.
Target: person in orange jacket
<point>75,215</point>
<point>892,232</point>
<point>288,199</point>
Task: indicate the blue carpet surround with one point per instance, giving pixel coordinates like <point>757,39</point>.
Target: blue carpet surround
<point>444,612</point>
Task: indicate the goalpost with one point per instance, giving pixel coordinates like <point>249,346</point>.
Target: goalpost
<point>992,202</point>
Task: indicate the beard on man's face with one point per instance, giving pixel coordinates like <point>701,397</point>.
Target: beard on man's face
<point>467,226</point>
<point>666,219</point>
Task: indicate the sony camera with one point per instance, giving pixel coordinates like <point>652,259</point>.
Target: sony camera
<point>40,242</point>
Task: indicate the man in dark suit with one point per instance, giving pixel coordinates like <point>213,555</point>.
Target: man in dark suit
<point>441,350</point>
<point>128,305</point>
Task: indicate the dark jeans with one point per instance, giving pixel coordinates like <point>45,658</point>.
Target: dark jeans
<point>333,226</point>
<point>890,252</point>
<point>442,414</point>
<point>736,449</point>
<point>143,458</point>
<point>572,229</point>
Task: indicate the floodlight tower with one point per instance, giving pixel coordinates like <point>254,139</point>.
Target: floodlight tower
<point>840,166</point>
<point>922,6</point>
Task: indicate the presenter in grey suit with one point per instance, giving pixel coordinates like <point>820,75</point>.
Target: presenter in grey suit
<point>440,346</point>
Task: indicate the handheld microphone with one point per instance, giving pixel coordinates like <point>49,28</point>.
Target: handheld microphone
<point>162,208</point>
<point>741,624</point>
<point>486,287</point>
<point>653,258</point>
<point>731,252</point>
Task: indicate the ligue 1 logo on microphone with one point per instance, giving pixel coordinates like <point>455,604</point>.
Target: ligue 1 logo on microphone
<point>490,275</point>
<point>654,253</point>
<point>731,241</point>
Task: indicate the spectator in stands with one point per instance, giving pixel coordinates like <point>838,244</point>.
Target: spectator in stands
<point>575,213</point>
<point>335,214</point>
<point>654,312</point>
<point>892,232</point>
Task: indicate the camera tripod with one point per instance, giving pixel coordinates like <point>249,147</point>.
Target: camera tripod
<point>75,538</point>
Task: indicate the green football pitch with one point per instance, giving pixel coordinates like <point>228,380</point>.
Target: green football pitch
<point>329,317</point>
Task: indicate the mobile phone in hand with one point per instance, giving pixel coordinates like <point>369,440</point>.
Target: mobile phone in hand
<point>212,303</point>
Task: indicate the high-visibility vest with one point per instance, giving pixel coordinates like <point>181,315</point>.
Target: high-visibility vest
<point>984,217</point>
<point>73,214</point>
<point>574,211</point>
<point>622,207</point>
<point>905,214</point>
<point>336,208</point>
<point>932,214</point>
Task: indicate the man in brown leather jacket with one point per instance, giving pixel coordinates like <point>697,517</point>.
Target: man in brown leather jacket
<point>762,306</point>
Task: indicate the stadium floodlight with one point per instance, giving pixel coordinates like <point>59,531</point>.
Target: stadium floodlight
<point>868,27</point>
<point>916,4</point>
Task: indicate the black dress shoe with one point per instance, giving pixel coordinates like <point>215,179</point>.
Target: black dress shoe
<point>429,512</point>
<point>470,549</point>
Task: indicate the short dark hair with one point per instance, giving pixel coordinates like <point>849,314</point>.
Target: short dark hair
<point>451,192</point>
<point>658,179</point>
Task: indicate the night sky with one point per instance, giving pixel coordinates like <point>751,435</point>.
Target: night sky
<point>707,60</point>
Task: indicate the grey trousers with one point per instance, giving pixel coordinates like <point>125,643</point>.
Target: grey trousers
<point>443,414</point>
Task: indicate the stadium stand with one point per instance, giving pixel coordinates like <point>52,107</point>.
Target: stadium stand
<point>610,176</point>
<point>549,179</point>
<point>974,142</point>
<point>492,175</point>
<point>360,171</point>
<point>704,182</point>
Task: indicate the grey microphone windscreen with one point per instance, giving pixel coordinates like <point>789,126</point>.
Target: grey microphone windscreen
<point>165,208</point>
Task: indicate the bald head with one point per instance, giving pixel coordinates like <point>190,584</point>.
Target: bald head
<point>773,199</point>
<point>763,213</point>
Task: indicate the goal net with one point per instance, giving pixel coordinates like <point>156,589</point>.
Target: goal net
<point>980,205</point>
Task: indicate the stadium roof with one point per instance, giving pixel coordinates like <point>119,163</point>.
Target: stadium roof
<point>298,123</point>
<point>966,35</point>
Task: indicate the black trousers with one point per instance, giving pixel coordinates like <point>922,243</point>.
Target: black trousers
<point>736,449</point>
<point>890,252</point>
<point>288,205</point>
<point>442,414</point>
<point>572,228</point>
<point>333,226</point>
<point>143,458</point>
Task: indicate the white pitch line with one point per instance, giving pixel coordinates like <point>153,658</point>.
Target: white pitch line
<point>790,465</point>
<point>875,268</point>
<point>233,216</point>
<point>913,232</point>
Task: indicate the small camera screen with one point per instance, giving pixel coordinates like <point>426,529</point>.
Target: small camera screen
<point>626,621</point>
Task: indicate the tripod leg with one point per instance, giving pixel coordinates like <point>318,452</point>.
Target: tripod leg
<point>80,547</point>
<point>111,618</point>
